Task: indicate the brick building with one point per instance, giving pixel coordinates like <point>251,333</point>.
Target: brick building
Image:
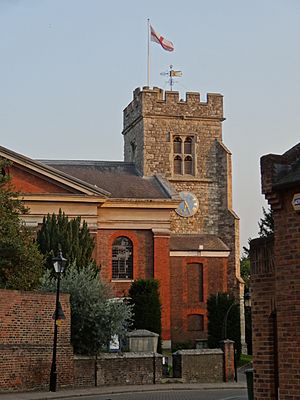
<point>165,212</point>
<point>275,283</point>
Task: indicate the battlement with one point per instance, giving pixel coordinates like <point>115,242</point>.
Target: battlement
<point>156,101</point>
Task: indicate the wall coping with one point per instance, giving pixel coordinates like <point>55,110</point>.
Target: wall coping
<point>197,352</point>
<point>128,355</point>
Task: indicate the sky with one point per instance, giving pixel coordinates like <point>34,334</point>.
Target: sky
<point>68,69</point>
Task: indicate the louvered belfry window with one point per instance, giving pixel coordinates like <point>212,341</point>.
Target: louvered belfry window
<point>122,258</point>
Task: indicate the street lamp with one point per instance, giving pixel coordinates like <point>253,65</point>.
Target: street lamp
<point>59,266</point>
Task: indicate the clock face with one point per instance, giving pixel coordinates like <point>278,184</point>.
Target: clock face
<point>189,204</point>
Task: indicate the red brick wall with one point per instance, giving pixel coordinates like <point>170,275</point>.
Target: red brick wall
<point>142,256</point>
<point>262,305</point>
<point>287,261</point>
<point>25,182</point>
<point>26,339</point>
<point>162,274</point>
<point>275,286</point>
<point>184,279</point>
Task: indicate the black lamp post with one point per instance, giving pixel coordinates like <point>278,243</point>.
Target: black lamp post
<point>59,266</point>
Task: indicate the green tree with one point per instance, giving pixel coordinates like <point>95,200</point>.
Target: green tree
<point>144,295</point>
<point>20,261</point>
<point>223,320</point>
<point>95,315</point>
<point>266,223</point>
<point>70,236</point>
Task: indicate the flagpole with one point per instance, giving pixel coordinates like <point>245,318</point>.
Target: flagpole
<point>148,54</point>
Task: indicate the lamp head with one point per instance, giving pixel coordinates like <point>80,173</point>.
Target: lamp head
<point>59,263</point>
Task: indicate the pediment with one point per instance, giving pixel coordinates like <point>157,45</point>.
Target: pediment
<point>34,177</point>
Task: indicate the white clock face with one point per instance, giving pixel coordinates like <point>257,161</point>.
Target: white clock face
<point>189,204</point>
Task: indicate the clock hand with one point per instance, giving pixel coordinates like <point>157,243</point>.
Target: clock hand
<point>187,206</point>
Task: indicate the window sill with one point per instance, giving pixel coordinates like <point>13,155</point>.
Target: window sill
<point>122,280</point>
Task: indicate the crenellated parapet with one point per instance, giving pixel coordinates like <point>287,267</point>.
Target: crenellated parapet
<point>156,102</point>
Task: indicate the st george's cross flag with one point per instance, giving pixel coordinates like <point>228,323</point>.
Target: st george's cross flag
<point>165,44</point>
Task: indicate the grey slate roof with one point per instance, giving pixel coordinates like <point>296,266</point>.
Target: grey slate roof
<point>187,242</point>
<point>119,178</point>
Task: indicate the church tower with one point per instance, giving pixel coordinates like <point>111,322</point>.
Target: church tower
<point>182,140</point>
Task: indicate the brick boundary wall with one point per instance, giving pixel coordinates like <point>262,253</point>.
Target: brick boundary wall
<point>198,366</point>
<point>26,341</point>
<point>129,369</point>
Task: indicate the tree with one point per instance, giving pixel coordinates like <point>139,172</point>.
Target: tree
<point>20,261</point>
<point>266,224</point>
<point>70,236</point>
<point>95,315</point>
<point>223,320</point>
<point>245,269</point>
<point>144,295</point>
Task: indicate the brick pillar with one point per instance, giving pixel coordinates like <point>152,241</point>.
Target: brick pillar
<point>228,364</point>
<point>162,274</point>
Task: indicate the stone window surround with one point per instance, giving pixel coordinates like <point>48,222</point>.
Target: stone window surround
<point>183,156</point>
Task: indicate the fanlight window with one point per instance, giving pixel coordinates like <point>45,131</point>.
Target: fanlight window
<point>122,258</point>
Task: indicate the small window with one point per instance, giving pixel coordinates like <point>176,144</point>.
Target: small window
<point>177,165</point>
<point>177,145</point>
<point>122,258</point>
<point>188,145</point>
<point>188,165</point>
<point>195,322</point>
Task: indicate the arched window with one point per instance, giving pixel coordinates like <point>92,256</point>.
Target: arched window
<point>188,145</point>
<point>177,165</point>
<point>122,258</point>
<point>177,145</point>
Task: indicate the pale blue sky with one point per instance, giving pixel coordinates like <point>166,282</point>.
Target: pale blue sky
<point>68,68</point>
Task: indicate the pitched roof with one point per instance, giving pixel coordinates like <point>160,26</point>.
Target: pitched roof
<point>188,242</point>
<point>52,173</point>
<point>119,178</point>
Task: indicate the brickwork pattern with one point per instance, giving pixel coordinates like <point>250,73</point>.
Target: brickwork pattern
<point>162,274</point>
<point>84,371</point>
<point>30,183</point>
<point>275,289</point>
<point>183,280</point>
<point>26,340</point>
<point>287,259</point>
<point>129,369</point>
<point>142,256</point>
<point>198,366</point>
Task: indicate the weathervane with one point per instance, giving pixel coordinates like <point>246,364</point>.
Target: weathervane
<point>171,74</point>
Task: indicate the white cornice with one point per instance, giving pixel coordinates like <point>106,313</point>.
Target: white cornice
<point>141,203</point>
<point>66,198</point>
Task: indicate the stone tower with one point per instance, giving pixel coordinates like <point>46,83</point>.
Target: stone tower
<point>182,140</point>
